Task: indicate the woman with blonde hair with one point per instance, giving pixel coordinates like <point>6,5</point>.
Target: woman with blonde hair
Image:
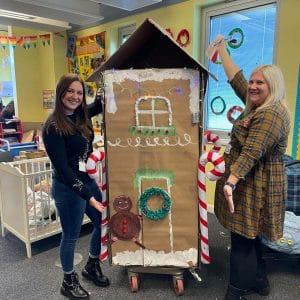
<point>250,198</point>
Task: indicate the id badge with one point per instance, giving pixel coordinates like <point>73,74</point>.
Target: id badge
<point>228,148</point>
<point>82,166</point>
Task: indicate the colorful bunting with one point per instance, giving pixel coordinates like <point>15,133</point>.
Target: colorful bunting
<point>12,41</point>
<point>24,41</point>
<point>3,41</point>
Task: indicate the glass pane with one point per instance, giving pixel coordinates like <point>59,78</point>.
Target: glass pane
<point>254,30</point>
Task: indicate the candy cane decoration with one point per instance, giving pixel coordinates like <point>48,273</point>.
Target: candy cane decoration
<point>209,137</point>
<point>91,169</point>
<point>94,157</point>
<point>219,169</point>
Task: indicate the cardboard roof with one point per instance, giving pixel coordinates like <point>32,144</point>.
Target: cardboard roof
<point>149,46</point>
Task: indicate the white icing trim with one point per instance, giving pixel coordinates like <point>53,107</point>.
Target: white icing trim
<point>119,76</point>
<point>184,259</point>
<point>152,142</point>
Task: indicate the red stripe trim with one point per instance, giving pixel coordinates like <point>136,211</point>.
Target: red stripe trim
<point>93,157</point>
<point>206,257</point>
<point>203,222</point>
<point>218,161</point>
<point>216,148</point>
<point>216,173</point>
<point>204,240</point>
<point>203,204</point>
<point>91,171</point>
<point>209,156</point>
<point>201,186</point>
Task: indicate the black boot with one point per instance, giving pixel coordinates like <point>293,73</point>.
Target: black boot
<point>72,289</point>
<point>262,286</point>
<point>92,271</point>
<point>234,293</point>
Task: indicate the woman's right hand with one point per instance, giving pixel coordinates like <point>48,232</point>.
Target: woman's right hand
<point>221,45</point>
<point>97,205</point>
<point>229,197</point>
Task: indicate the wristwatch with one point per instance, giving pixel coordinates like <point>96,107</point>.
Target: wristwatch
<point>233,186</point>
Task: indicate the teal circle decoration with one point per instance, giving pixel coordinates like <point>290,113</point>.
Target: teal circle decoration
<point>212,107</point>
<point>235,45</point>
<point>159,213</point>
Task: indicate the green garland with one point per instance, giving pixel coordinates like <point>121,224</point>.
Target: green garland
<point>159,213</point>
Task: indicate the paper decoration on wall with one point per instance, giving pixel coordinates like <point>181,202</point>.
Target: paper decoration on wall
<point>183,36</point>
<point>25,41</point>
<point>48,99</point>
<point>71,45</point>
<point>85,55</point>
<point>218,108</point>
<point>232,112</point>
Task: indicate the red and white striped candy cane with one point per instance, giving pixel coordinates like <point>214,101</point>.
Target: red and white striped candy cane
<point>91,169</point>
<point>219,169</point>
<point>209,137</point>
<point>90,166</point>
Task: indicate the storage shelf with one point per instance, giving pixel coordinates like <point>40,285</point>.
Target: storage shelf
<point>18,130</point>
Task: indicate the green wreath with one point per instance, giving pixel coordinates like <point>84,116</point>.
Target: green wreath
<point>159,213</point>
<point>233,43</point>
<point>212,105</point>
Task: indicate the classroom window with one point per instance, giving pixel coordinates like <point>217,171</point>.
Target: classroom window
<point>250,26</point>
<point>125,32</point>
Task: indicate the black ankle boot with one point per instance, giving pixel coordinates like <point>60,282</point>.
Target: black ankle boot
<point>92,271</point>
<point>234,293</point>
<point>262,286</point>
<point>72,289</point>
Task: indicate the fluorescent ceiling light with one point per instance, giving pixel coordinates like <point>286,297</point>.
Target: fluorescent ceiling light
<point>128,4</point>
<point>34,19</point>
<point>15,15</point>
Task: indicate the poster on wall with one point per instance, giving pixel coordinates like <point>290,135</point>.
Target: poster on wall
<point>89,55</point>
<point>48,99</point>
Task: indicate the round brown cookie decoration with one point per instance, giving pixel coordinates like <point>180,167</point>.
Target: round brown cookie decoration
<point>124,225</point>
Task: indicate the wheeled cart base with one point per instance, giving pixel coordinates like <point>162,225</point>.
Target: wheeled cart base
<point>176,273</point>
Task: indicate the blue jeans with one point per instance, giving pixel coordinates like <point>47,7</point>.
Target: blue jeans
<point>71,209</point>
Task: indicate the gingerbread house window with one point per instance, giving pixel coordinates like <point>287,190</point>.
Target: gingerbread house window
<point>153,116</point>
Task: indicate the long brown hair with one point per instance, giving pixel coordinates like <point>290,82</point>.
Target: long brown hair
<point>58,116</point>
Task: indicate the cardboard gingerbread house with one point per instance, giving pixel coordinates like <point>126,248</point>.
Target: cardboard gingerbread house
<point>152,125</point>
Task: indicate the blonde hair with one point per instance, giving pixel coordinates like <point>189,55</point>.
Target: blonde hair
<point>275,81</point>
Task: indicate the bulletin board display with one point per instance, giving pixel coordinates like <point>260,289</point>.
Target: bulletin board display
<point>89,55</point>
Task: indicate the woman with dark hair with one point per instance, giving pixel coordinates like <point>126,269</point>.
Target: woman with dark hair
<point>7,115</point>
<point>68,137</point>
